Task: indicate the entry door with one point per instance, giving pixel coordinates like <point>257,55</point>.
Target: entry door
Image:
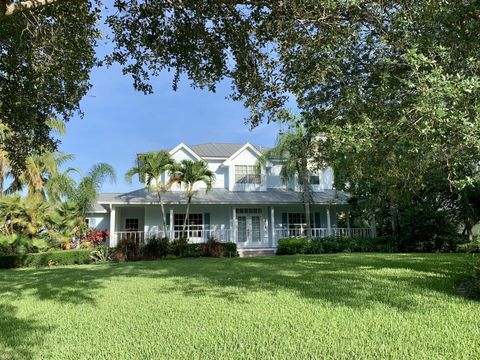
<point>249,230</point>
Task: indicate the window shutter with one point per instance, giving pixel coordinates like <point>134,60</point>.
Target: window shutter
<point>318,224</point>
<point>206,220</point>
<point>284,220</point>
<point>167,218</point>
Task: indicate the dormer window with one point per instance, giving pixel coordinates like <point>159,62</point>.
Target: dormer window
<point>246,174</point>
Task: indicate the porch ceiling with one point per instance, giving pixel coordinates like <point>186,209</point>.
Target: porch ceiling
<point>223,196</point>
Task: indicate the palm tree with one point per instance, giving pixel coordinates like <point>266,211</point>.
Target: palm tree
<point>39,170</point>
<point>85,193</point>
<point>293,150</point>
<point>150,168</point>
<point>189,173</point>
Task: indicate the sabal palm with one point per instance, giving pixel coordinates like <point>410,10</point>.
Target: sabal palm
<point>292,150</point>
<point>188,173</point>
<point>150,168</point>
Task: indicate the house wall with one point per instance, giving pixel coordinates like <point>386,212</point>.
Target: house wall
<point>130,212</point>
<point>246,157</point>
<point>100,221</point>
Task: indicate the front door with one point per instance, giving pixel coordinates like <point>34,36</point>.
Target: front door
<point>249,230</point>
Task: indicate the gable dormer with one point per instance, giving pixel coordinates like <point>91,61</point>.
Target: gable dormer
<point>242,175</point>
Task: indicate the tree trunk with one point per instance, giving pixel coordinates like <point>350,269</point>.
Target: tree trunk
<point>187,213</point>
<point>162,210</point>
<point>306,196</point>
<point>394,218</point>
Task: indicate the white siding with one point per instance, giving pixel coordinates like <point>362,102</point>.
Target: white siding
<point>100,221</point>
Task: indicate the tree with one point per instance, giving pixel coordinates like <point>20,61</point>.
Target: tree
<point>188,173</point>
<point>85,194</point>
<point>46,57</point>
<point>390,84</point>
<point>294,150</point>
<point>150,168</point>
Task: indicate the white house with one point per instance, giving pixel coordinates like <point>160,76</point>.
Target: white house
<point>252,210</point>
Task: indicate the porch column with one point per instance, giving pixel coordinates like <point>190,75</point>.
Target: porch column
<point>329,225</point>
<point>172,234</point>
<point>272,224</point>
<point>113,215</point>
<point>234,225</point>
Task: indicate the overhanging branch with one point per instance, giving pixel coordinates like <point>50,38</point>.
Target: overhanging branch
<point>16,7</point>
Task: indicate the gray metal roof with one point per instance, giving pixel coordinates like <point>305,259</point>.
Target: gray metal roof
<point>219,149</point>
<point>223,196</point>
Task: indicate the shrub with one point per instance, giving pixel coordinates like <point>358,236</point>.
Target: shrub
<point>157,248</point>
<point>63,257</point>
<point>128,249</point>
<point>292,245</point>
<point>101,254</point>
<point>180,247</point>
<point>97,237</point>
<point>213,248</point>
<point>193,250</point>
<point>230,249</point>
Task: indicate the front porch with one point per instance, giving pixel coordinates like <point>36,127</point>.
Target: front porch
<point>250,227</point>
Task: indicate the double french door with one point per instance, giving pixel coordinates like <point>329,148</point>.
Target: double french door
<point>249,227</point>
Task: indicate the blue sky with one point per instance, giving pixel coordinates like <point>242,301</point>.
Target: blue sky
<point>118,122</point>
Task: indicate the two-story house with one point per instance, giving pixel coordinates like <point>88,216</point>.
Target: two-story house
<point>253,210</point>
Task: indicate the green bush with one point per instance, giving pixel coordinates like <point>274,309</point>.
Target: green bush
<point>331,244</point>
<point>101,254</point>
<point>156,248</point>
<point>292,245</point>
<point>63,257</point>
<point>213,248</point>
<point>210,249</point>
<point>128,249</point>
<point>180,247</point>
<point>230,249</point>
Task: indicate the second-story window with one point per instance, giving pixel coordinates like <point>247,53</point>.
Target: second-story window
<point>246,174</point>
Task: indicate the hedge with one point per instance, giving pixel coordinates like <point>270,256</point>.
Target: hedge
<point>63,257</point>
<point>301,245</point>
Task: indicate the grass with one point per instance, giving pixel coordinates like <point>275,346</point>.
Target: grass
<point>326,306</point>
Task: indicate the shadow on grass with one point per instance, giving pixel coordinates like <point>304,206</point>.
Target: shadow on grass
<point>355,280</point>
<point>18,336</point>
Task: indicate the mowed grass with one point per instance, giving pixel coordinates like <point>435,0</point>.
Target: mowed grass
<point>362,306</point>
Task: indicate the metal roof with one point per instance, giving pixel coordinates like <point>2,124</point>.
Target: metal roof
<point>223,196</point>
<point>219,149</point>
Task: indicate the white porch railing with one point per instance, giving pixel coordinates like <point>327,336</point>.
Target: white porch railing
<point>321,232</point>
<point>226,235</point>
<point>202,235</point>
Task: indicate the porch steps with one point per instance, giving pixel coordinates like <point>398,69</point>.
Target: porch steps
<point>255,252</point>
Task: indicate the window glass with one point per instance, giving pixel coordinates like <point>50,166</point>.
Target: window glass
<point>246,174</point>
<point>194,226</point>
<point>131,224</point>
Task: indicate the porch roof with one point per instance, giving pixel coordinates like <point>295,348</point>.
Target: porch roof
<point>223,196</point>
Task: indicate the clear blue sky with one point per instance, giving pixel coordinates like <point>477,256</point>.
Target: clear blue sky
<point>119,122</point>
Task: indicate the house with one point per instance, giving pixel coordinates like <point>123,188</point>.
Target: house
<point>251,209</point>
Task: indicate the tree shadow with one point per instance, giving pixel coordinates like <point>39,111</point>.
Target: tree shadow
<point>354,280</point>
<point>18,336</point>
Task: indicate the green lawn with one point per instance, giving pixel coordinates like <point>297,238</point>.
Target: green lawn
<point>326,306</point>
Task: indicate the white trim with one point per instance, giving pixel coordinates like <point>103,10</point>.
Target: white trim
<point>186,147</point>
<point>239,151</point>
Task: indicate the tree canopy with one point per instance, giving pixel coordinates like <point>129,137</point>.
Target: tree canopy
<point>393,86</point>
